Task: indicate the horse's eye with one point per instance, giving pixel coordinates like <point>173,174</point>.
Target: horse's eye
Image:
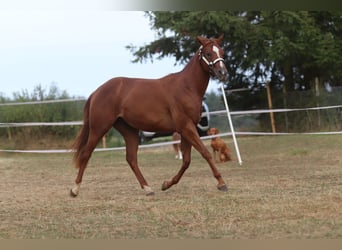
<point>208,54</point>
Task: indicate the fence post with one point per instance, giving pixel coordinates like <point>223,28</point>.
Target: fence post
<point>231,125</point>
<point>317,101</point>
<point>9,133</point>
<point>270,106</point>
<point>104,142</point>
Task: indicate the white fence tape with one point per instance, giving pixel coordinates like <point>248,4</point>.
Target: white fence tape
<point>41,102</point>
<point>260,111</point>
<point>219,112</point>
<point>32,124</point>
<point>161,144</point>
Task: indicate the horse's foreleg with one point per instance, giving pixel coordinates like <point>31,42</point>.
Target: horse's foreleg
<point>132,142</point>
<point>186,151</point>
<point>192,136</point>
<point>131,137</point>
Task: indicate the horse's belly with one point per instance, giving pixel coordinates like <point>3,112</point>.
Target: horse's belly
<point>150,120</point>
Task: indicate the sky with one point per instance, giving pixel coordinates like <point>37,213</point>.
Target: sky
<point>78,50</point>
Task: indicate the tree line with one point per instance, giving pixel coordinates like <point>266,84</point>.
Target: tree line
<point>297,52</point>
<point>292,49</point>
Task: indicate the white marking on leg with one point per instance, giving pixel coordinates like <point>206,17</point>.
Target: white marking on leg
<point>148,189</point>
<point>76,189</point>
<point>180,155</point>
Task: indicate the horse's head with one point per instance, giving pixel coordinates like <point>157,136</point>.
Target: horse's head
<point>211,54</point>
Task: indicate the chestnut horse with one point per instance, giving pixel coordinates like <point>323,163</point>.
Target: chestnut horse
<point>172,103</point>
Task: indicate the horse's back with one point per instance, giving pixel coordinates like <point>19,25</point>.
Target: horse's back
<point>142,103</point>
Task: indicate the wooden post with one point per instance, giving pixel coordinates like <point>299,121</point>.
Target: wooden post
<point>9,133</point>
<point>285,106</point>
<point>270,106</point>
<point>104,142</point>
<point>317,101</point>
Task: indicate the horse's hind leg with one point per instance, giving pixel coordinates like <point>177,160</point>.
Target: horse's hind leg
<point>186,151</point>
<point>95,136</point>
<point>85,156</point>
<point>131,137</point>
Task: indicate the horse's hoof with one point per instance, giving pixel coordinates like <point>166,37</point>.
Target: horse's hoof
<point>148,190</point>
<point>222,188</point>
<point>150,193</point>
<point>72,194</point>
<point>165,186</point>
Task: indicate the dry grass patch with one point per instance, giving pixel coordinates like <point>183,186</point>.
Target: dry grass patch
<point>288,187</point>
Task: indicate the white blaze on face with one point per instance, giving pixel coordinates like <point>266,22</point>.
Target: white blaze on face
<point>217,50</point>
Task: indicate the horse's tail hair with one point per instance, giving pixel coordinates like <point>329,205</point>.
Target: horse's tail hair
<point>82,137</point>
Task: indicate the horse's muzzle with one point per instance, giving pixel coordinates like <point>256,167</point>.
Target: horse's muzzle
<point>221,73</point>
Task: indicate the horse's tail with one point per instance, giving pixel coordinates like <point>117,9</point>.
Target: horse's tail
<point>82,137</point>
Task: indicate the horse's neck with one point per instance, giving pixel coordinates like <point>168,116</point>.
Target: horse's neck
<point>197,77</point>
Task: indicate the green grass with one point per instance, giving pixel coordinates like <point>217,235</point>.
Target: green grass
<point>289,187</point>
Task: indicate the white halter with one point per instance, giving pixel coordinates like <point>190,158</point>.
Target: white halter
<point>212,63</point>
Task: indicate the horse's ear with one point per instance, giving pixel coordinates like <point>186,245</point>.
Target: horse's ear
<point>220,39</point>
<point>202,40</point>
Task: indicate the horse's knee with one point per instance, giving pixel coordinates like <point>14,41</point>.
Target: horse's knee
<point>131,160</point>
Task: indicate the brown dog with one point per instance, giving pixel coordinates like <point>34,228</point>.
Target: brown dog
<point>176,137</point>
<point>219,146</point>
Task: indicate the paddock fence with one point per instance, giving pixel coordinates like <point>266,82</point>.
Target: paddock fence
<point>221,114</point>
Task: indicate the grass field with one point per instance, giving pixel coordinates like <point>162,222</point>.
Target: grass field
<point>289,187</point>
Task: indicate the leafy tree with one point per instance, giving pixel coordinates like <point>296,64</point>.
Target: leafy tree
<point>287,47</point>
<point>292,49</point>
